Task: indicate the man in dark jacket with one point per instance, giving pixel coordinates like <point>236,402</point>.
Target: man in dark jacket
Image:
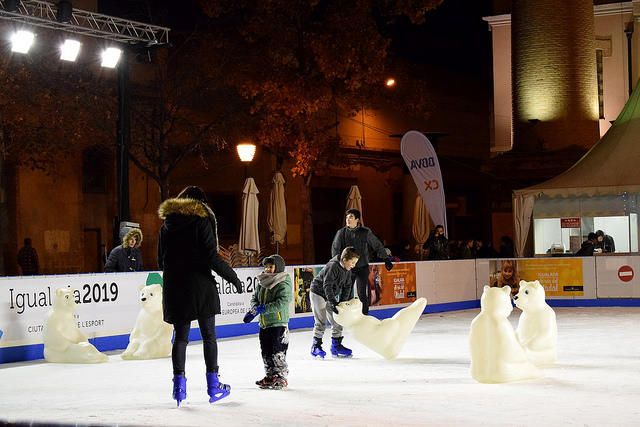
<point>331,286</point>
<point>187,252</point>
<point>437,245</point>
<point>588,246</point>
<point>605,242</point>
<point>361,239</point>
<point>127,256</point>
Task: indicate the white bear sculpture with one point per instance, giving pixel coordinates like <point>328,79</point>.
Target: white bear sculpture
<point>496,354</point>
<point>63,341</point>
<point>151,336</point>
<point>386,337</point>
<point>537,328</point>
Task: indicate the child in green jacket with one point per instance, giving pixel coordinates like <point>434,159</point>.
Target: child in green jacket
<point>271,301</point>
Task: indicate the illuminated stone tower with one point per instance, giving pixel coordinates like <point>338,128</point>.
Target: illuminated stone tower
<point>555,92</point>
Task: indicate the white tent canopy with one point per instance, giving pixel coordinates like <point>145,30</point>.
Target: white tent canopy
<point>604,182</point>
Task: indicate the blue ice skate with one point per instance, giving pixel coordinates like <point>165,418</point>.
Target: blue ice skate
<point>179,388</point>
<point>316,348</point>
<point>338,350</point>
<point>215,389</point>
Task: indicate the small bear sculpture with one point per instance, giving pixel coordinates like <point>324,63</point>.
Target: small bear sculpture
<point>63,341</point>
<point>151,335</point>
<point>496,354</point>
<point>386,337</point>
<point>537,328</point>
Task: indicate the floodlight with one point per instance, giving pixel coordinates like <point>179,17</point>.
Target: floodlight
<point>69,50</point>
<point>110,57</point>
<point>21,41</point>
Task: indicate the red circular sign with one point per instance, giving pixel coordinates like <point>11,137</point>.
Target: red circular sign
<point>625,273</point>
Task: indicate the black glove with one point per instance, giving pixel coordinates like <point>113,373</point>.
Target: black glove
<point>331,306</point>
<point>251,314</point>
<point>388,264</point>
<point>238,285</point>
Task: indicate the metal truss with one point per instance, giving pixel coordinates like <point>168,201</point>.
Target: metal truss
<point>43,14</point>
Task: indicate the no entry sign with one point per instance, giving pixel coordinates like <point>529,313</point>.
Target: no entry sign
<point>625,273</point>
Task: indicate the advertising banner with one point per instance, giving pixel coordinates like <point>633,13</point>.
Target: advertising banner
<point>107,304</point>
<point>302,277</point>
<point>422,161</point>
<point>559,276</point>
<point>392,287</point>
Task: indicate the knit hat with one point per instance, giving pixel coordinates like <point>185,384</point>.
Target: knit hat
<point>276,260</point>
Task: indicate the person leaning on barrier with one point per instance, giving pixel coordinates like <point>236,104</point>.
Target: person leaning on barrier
<point>127,256</point>
<point>437,245</point>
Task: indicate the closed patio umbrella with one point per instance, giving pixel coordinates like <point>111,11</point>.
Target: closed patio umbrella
<point>277,214</point>
<point>354,201</point>
<point>249,242</point>
<point>420,226</point>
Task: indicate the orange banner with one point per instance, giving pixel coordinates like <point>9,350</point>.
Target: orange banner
<point>392,287</point>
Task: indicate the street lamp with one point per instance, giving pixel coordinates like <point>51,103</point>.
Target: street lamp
<point>246,151</point>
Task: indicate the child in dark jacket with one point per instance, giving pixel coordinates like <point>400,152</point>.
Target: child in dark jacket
<point>271,301</point>
<point>329,288</point>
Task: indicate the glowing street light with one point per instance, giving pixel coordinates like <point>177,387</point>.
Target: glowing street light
<point>246,151</point>
<point>391,82</point>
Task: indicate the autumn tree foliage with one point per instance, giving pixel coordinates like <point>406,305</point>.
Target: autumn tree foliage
<point>302,64</point>
<point>181,111</point>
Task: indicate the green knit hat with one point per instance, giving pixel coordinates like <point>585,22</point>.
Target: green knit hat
<point>154,279</point>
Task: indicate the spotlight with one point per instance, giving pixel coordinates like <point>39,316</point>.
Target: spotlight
<point>65,11</point>
<point>110,57</point>
<point>69,50</point>
<point>21,41</point>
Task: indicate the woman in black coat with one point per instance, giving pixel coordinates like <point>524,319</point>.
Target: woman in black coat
<point>187,252</point>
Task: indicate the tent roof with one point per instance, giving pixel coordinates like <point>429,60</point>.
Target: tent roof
<point>611,166</point>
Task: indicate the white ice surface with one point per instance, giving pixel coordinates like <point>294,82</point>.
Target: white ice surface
<point>595,383</point>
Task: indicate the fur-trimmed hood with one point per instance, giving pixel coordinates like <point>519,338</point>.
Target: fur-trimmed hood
<point>184,211</point>
<point>134,232</point>
<point>187,207</point>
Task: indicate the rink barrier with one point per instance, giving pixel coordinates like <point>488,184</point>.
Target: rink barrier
<point>111,304</point>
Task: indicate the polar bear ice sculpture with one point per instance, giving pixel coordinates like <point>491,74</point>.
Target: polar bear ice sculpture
<point>496,354</point>
<point>63,341</point>
<point>385,337</point>
<point>537,329</point>
<point>151,336</point>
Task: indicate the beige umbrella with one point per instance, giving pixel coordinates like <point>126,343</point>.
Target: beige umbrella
<point>354,201</point>
<point>420,227</point>
<point>249,243</point>
<point>277,215</point>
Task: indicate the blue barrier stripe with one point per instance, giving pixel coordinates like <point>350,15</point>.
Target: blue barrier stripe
<point>119,342</point>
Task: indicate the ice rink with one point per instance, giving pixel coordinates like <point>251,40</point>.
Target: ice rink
<point>595,383</point>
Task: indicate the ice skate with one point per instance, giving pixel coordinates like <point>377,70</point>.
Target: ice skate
<point>316,348</point>
<point>179,388</point>
<point>215,389</point>
<point>276,382</point>
<point>266,381</point>
<point>338,350</point>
